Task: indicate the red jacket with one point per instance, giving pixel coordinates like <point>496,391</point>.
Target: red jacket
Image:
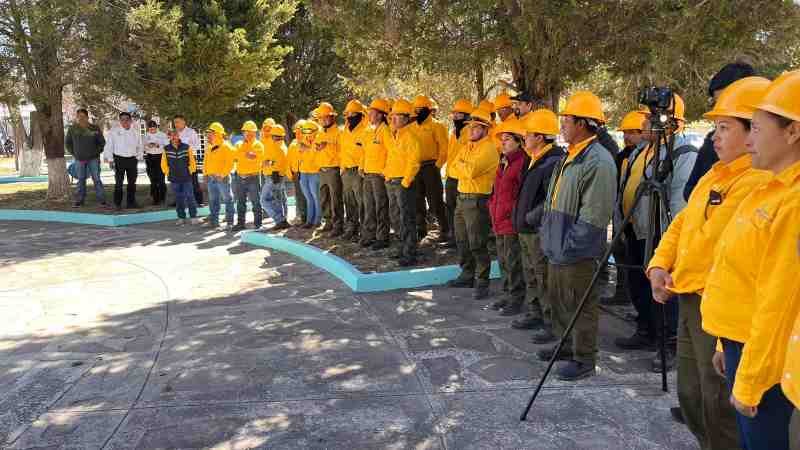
<point>506,190</point>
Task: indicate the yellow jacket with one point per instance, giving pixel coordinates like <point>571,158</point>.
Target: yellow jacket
<point>374,155</point>
<point>274,158</point>
<point>403,156</point>
<point>249,157</point>
<point>745,296</point>
<point>790,382</point>
<point>443,141</point>
<point>432,143</point>
<point>329,156</point>
<point>293,159</point>
<point>476,166</point>
<point>218,160</point>
<point>454,146</point>
<point>309,160</point>
<point>352,144</point>
<point>685,250</point>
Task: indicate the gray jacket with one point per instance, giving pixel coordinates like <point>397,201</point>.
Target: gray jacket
<point>683,158</point>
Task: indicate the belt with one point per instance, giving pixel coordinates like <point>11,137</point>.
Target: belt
<point>430,162</point>
<point>217,177</point>
<point>328,169</point>
<point>249,175</point>
<point>398,180</point>
<point>351,169</point>
<point>374,175</point>
<point>473,196</point>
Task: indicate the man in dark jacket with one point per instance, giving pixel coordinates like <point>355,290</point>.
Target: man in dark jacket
<point>85,142</point>
<point>541,128</point>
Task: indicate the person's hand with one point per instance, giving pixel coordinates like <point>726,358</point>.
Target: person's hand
<point>747,411</point>
<point>661,283</point>
<point>250,155</point>
<point>718,361</point>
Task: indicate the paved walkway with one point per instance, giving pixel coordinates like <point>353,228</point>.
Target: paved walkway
<point>160,337</point>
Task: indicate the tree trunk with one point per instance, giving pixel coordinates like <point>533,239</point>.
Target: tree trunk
<point>57,180</point>
<point>29,147</point>
<point>480,90</point>
<point>52,128</point>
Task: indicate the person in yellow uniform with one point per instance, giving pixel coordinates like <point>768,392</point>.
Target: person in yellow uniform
<point>217,167</point>
<point>476,165</point>
<point>309,171</point>
<point>375,227</point>
<point>458,139</point>
<point>682,263</point>
<point>503,107</point>
<point>737,307</point>
<point>293,174</point>
<point>403,160</point>
<point>433,142</point>
<point>249,156</point>
<point>330,179</point>
<point>352,141</point>
<point>273,191</point>
<point>791,371</point>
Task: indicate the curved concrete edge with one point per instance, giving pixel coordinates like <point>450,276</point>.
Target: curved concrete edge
<point>40,179</point>
<point>104,220</point>
<point>352,277</point>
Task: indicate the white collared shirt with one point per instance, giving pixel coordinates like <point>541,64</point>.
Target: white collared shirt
<point>189,136</point>
<point>122,142</point>
<point>158,140</point>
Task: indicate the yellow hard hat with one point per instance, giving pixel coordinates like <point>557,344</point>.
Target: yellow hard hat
<point>298,124</point>
<point>480,116</point>
<point>633,121</point>
<point>422,101</point>
<point>277,130</point>
<point>463,106</point>
<point>502,101</point>
<point>541,121</point>
<point>513,126</point>
<point>354,106</point>
<point>324,109</point>
<point>217,128</point>
<point>308,127</point>
<point>584,104</point>
<point>250,126</point>
<point>486,105</point>
<point>381,105</point>
<point>402,106</point>
<point>783,96</point>
<point>738,98</point>
<point>268,122</point>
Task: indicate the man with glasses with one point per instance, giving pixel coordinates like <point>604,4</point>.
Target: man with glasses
<point>123,151</point>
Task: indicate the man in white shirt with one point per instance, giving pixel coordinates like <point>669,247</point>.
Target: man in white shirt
<point>154,143</point>
<point>123,151</point>
<point>189,136</point>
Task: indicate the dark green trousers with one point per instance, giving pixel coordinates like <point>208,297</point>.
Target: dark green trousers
<point>703,395</point>
<point>534,273</point>
<point>352,185</point>
<point>376,209</point>
<point>567,284</point>
<point>330,194</point>
<point>403,212</point>
<point>509,256</point>
<point>472,224</point>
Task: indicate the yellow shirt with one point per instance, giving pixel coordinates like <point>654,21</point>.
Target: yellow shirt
<point>351,145</point>
<point>572,152</point>
<point>403,156</point>
<point>329,155</point>
<point>745,296</point>
<point>218,160</point>
<point>476,166</point>
<point>790,382</point>
<point>274,158</point>
<point>440,133</point>
<point>686,249</point>
<point>635,178</point>
<point>429,147</point>
<point>454,147</point>
<point>309,160</point>
<point>249,157</point>
<point>293,159</point>
<point>374,155</point>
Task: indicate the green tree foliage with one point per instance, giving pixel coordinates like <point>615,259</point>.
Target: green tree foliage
<point>198,58</point>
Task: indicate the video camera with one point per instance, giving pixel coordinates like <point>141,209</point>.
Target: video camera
<point>659,100</point>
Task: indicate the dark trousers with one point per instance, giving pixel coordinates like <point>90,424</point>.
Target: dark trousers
<point>451,198</point>
<point>299,199</point>
<point>198,191</point>
<point>703,394</point>
<point>376,209</point>
<point>472,224</point>
<point>649,319</point>
<point>769,429</point>
<point>566,285</point>
<point>402,209</point>
<point>158,185</point>
<point>794,431</point>
<point>184,197</point>
<point>352,193</point>
<point>330,192</point>
<point>248,188</point>
<point>125,167</point>
<point>429,187</point>
<point>509,256</point>
<point>534,272</point>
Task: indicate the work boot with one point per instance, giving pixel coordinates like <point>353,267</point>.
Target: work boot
<point>545,355</point>
<point>512,309</point>
<point>544,336</point>
<point>397,255</point>
<point>407,262</point>
<point>380,245</point>
<point>637,341</point>
<point>77,205</point>
<point>575,370</point>
<point>461,283</point>
<point>529,322</point>
<point>498,305</point>
<point>335,233</point>
<point>480,292</point>
<point>670,360</point>
<point>366,243</point>
<point>238,227</point>
<point>281,226</point>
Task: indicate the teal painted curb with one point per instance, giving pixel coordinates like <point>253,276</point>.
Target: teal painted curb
<point>6,180</point>
<point>104,220</point>
<point>352,277</point>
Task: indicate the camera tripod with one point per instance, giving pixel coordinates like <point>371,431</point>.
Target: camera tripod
<point>659,218</point>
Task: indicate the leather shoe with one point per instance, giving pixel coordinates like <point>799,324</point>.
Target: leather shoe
<point>575,370</point>
<point>511,310</point>
<point>546,354</point>
<point>461,283</point>
<point>637,341</point>
<point>543,337</point>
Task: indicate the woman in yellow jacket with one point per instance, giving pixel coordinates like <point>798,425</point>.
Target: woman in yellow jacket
<point>747,313</point>
<point>309,172</point>
<point>293,174</point>
<point>683,260</point>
